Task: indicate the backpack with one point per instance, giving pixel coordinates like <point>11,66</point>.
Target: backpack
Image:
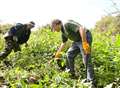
<point>18,25</point>
<point>16,28</point>
<point>13,30</point>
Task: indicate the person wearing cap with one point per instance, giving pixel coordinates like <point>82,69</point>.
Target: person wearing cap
<point>82,40</point>
<point>16,36</point>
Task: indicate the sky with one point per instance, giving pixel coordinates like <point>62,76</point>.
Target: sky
<point>86,12</point>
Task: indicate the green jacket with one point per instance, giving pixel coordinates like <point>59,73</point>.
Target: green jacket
<point>70,30</point>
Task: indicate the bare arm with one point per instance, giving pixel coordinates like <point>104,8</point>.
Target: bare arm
<point>85,44</point>
<point>58,54</point>
<point>82,34</point>
<point>61,47</point>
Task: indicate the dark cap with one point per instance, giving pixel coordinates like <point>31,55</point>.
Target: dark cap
<point>33,23</point>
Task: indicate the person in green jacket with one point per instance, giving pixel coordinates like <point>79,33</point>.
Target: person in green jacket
<point>82,40</point>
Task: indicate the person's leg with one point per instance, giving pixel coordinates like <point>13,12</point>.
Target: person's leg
<point>87,62</point>
<point>71,54</point>
<point>89,67</point>
<point>8,48</point>
<point>16,47</point>
<point>17,50</point>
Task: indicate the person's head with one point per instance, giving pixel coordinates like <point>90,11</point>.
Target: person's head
<point>30,25</point>
<point>56,25</point>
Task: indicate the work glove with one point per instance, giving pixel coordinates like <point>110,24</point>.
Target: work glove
<point>58,55</point>
<point>86,47</point>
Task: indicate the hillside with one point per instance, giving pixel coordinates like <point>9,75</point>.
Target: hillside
<point>30,68</point>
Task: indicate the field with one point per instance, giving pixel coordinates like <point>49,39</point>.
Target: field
<point>30,68</point>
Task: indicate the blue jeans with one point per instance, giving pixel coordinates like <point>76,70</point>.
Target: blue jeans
<point>73,52</point>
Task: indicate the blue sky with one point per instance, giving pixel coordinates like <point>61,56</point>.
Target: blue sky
<point>86,12</point>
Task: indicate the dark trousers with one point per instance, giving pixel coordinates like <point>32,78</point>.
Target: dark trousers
<point>76,49</point>
<point>9,46</point>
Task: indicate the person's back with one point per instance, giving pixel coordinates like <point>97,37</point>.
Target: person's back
<point>19,30</point>
<point>71,30</point>
<point>14,31</point>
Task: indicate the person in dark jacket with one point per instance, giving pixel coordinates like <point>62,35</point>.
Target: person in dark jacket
<point>82,40</point>
<point>17,35</point>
